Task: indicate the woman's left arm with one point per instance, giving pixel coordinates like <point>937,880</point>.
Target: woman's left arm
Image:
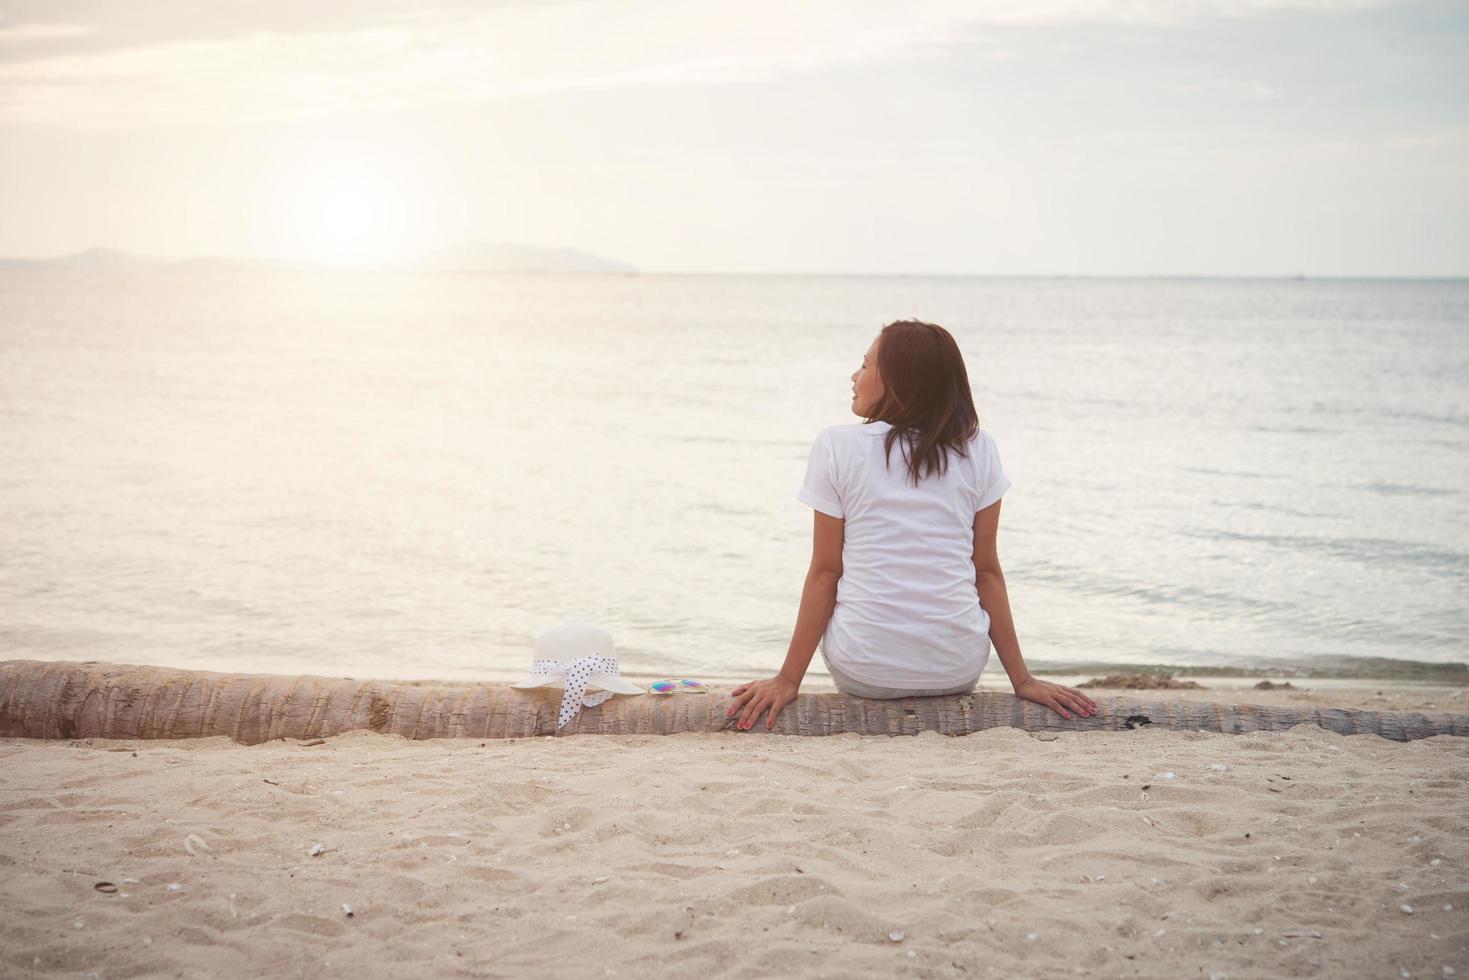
<point>989,579</point>
<point>818,601</point>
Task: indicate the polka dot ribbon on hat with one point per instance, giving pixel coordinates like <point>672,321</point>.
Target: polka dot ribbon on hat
<point>575,673</point>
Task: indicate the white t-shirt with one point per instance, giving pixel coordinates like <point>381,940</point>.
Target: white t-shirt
<point>907,612</point>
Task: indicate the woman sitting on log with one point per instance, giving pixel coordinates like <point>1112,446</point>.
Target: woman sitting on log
<point>905,592</point>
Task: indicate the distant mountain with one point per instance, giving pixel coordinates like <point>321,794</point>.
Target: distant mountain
<point>504,257</point>
<point>94,259</point>
<point>102,260</point>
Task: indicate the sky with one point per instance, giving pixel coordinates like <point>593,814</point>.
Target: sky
<point>1032,137</point>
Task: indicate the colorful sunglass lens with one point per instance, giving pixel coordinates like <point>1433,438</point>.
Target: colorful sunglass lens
<point>663,687</point>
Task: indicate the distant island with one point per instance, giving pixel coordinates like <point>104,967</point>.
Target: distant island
<point>99,259</point>
<point>466,257</point>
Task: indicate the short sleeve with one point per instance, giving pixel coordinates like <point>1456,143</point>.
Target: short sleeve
<point>993,481</point>
<point>819,489</point>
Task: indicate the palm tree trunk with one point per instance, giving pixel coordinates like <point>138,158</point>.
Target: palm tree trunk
<point>63,699</point>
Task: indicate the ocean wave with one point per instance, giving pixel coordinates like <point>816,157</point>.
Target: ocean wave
<point>1323,665</point>
<point>1409,489</point>
<point>1404,554</point>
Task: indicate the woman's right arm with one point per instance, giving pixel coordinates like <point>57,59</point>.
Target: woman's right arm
<point>818,601</point>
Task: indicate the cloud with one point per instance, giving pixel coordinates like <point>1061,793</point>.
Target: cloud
<point>451,57</point>
<point>1242,88</point>
<point>41,32</point>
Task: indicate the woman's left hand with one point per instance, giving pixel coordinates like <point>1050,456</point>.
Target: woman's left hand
<point>1062,699</point>
<point>751,699</point>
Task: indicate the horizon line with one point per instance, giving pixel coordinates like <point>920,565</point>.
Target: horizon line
<point>290,266</point>
<point>408,266</point>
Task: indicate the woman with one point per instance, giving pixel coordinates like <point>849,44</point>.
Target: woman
<point>905,591</point>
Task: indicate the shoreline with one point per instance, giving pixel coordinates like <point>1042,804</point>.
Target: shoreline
<point>1324,673</point>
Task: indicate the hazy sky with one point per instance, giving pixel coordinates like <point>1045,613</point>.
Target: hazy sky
<point>1031,136</point>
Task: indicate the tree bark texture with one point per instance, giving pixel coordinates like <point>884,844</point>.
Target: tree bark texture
<point>94,699</point>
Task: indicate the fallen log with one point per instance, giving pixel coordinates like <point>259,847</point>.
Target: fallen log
<point>95,699</point>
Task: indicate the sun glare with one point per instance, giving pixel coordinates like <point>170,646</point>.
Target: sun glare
<point>343,209</point>
<point>346,221</point>
<point>349,222</point>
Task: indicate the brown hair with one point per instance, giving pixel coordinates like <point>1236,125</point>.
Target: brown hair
<point>926,397</point>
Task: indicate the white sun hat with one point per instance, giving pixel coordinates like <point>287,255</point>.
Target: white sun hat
<point>576,657</point>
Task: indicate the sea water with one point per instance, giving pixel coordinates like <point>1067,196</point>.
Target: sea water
<point>412,475</point>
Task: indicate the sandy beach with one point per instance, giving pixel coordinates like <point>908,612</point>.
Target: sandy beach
<point>1143,853</point>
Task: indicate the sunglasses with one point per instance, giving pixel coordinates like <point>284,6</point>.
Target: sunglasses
<point>684,686</point>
